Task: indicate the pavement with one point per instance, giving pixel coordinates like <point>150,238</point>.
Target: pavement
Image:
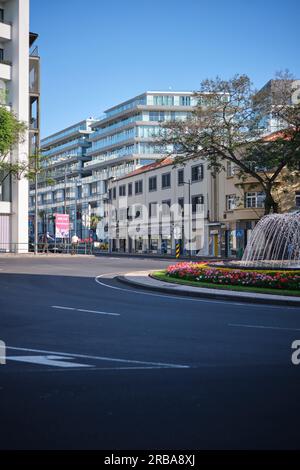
<point>93,363</point>
<point>144,279</point>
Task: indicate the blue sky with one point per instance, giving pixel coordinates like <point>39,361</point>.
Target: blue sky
<point>97,53</point>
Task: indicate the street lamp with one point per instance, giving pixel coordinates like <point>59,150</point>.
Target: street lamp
<point>77,180</point>
<point>190,212</point>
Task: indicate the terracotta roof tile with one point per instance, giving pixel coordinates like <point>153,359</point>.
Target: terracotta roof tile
<point>152,166</point>
<point>276,135</point>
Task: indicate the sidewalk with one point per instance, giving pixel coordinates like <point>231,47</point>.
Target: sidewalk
<point>141,279</point>
<point>42,255</point>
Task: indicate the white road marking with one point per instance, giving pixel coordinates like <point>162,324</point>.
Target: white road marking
<point>175,297</point>
<point>54,361</point>
<point>84,310</point>
<point>100,358</point>
<point>263,327</point>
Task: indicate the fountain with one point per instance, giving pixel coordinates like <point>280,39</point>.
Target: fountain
<point>274,244</point>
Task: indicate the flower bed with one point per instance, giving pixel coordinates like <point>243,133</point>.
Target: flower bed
<point>201,272</point>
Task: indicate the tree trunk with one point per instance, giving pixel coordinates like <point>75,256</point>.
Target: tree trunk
<point>271,206</point>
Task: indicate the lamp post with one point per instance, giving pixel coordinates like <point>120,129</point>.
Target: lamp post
<point>36,233</point>
<point>190,212</point>
<point>75,219</point>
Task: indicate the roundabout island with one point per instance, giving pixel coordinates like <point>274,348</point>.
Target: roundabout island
<point>271,261</point>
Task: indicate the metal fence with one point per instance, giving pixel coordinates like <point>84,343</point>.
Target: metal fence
<point>82,248</point>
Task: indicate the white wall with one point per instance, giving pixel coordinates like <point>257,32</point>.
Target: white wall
<point>18,13</point>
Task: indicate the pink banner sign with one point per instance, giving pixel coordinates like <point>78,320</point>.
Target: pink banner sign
<point>62,225</point>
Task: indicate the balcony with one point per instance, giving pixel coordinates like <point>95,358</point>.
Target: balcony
<point>245,213</point>
<point>5,32</point>
<point>5,70</point>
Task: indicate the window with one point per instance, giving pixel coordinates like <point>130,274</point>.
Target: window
<point>114,193</point>
<point>230,202</point>
<point>196,201</point>
<point>1,55</point>
<point>93,189</point>
<point>297,198</point>
<point>197,172</point>
<point>166,180</point>
<point>129,189</point>
<point>122,190</point>
<point>157,116</point>
<point>255,199</point>
<point>230,169</point>
<point>148,132</point>
<point>162,100</point>
<point>153,209</point>
<point>152,183</point>
<point>180,177</point>
<point>109,194</point>
<point>1,15</point>
<point>185,101</point>
<point>139,187</point>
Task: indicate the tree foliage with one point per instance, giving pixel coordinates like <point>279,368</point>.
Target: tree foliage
<point>227,125</point>
<point>12,132</point>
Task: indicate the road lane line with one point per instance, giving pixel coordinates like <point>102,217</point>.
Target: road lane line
<point>47,360</point>
<point>60,307</point>
<point>63,308</point>
<point>175,297</point>
<point>237,325</point>
<point>94,369</point>
<point>100,358</point>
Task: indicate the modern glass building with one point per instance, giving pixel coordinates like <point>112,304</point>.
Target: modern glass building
<point>82,159</point>
<point>59,182</point>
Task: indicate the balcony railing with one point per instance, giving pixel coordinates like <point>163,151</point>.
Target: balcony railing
<point>5,62</point>
<point>35,52</point>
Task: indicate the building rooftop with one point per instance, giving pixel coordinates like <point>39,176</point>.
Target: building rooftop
<point>149,92</point>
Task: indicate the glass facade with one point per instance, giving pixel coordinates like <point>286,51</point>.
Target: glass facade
<point>63,134</point>
<point>58,148</point>
<point>126,106</point>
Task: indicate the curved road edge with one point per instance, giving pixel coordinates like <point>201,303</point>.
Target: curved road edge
<point>143,280</point>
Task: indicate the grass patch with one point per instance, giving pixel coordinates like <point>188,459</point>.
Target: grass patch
<point>162,276</point>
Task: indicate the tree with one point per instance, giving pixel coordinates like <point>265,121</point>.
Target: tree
<point>227,126</point>
<point>12,132</point>
<point>94,221</point>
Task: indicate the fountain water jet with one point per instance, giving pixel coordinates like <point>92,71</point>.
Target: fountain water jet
<point>275,243</point>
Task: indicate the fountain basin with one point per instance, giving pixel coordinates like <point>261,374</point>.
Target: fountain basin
<point>258,265</point>
<point>273,245</point>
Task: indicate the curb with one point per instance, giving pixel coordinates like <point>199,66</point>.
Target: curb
<point>207,295</point>
<point>159,257</point>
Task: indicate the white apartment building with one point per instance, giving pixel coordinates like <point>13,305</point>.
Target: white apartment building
<point>14,84</point>
<point>166,203</point>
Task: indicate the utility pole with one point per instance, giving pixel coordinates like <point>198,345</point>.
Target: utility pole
<point>190,214</point>
<point>36,234</point>
<point>75,201</point>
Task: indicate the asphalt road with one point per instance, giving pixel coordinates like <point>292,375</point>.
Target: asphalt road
<point>98,365</point>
